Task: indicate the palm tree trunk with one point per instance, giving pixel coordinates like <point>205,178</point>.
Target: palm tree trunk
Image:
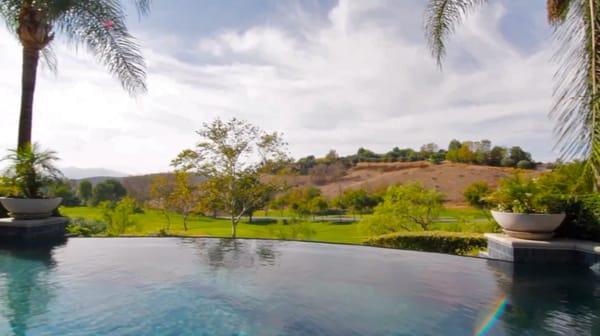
<point>29,72</point>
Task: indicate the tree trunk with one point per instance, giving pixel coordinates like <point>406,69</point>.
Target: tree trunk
<point>29,71</point>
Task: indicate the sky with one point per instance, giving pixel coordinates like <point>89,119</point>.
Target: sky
<point>328,74</point>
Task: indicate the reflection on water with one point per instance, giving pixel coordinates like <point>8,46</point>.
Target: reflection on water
<point>174,286</point>
<point>24,283</point>
<point>558,300</point>
<point>235,253</point>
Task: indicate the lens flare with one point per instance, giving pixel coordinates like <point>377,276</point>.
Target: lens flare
<point>493,317</point>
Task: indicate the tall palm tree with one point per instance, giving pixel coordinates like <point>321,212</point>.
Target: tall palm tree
<point>576,108</point>
<point>98,25</point>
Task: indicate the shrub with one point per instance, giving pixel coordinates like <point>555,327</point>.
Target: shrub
<point>476,194</point>
<point>118,216</point>
<point>507,162</point>
<point>431,241</point>
<point>583,218</point>
<point>525,164</point>
<point>83,227</point>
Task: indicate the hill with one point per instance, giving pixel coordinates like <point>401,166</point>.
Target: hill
<point>75,173</point>
<point>447,177</point>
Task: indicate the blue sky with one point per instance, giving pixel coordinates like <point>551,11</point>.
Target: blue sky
<point>328,74</point>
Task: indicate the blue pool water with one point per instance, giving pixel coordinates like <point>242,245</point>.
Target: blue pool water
<point>167,286</point>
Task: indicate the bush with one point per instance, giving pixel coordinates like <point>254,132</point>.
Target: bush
<point>583,218</point>
<point>525,164</point>
<point>476,194</point>
<point>507,162</point>
<point>431,241</point>
<point>84,227</point>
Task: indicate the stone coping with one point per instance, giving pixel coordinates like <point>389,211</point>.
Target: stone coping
<point>554,244</point>
<point>29,223</point>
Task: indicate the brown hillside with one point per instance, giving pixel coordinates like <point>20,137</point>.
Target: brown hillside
<point>449,178</point>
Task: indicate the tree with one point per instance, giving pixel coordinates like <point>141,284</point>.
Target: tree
<point>63,189</point>
<point>161,193</point>
<point>317,205</point>
<point>576,108</point>
<point>465,154</point>
<point>99,25</point>
<point>454,145</point>
<point>358,201</point>
<point>185,196</point>
<point>84,191</point>
<point>405,207</point>
<point>496,155</point>
<point>109,190</point>
<point>518,154</point>
<point>232,152</point>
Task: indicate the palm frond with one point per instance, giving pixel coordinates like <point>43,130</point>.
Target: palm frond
<point>441,19</point>
<point>557,10</point>
<point>49,58</point>
<point>9,12</point>
<point>576,110</point>
<point>100,26</point>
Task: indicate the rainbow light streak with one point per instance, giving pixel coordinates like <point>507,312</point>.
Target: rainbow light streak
<point>491,319</point>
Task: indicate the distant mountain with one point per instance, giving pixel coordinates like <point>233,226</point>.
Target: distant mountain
<point>75,173</point>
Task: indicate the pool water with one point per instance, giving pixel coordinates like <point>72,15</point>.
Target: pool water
<point>171,286</point>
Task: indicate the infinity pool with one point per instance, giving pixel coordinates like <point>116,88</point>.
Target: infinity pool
<point>167,286</point>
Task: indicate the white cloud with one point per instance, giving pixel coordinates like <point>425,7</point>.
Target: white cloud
<point>361,78</point>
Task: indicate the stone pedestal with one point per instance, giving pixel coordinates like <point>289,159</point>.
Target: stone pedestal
<point>33,229</point>
<point>503,247</point>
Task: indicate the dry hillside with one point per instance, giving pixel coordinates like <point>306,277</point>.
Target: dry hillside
<point>449,178</point>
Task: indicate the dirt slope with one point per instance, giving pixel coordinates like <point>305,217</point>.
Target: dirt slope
<point>449,178</point>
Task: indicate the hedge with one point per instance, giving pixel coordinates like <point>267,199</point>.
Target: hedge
<point>458,243</point>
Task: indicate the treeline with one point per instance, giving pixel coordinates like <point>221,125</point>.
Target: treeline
<point>472,152</point>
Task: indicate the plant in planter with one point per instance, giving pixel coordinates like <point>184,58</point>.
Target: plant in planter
<point>524,210</point>
<point>30,171</point>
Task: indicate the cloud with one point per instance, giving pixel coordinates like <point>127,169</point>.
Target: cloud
<point>360,77</point>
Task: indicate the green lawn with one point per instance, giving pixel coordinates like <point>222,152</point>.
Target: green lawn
<point>151,222</point>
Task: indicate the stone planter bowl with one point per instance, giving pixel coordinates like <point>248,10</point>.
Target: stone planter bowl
<point>30,208</point>
<point>529,226</point>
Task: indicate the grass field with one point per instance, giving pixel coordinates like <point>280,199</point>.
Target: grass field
<point>151,222</point>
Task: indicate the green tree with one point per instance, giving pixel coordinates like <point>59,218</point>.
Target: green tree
<point>118,216</point>
<point>317,205</point>
<point>99,25</point>
<point>228,153</point>
<point>576,109</point>
<point>454,145</point>
<point>405,207</point>
<point>63,189</point>
<point>496,155</point>
<point>358,201</point>
<point>84,191</point>
<point>109,190</point>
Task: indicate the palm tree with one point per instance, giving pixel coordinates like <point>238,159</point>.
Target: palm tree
<point>576,108</point>
<point>98,25</point>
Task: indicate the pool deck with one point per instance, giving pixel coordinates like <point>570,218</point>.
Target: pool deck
<point>503,247</point>
<point>32,229</point>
